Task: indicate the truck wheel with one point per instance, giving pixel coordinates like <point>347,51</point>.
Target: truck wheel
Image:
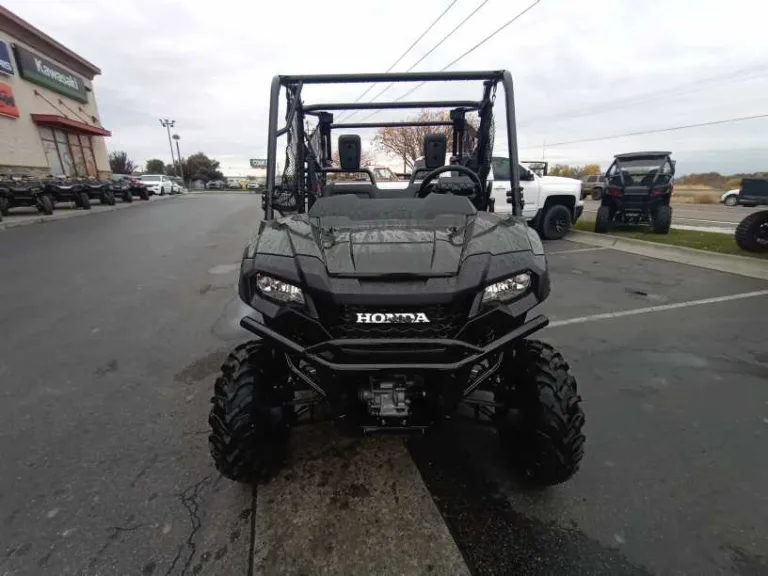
<point>597,193</point>
<point>5,206</point>
<point>85,201</point>
<point>128,197</point>
<point>544,440</point>
<point>752,232</point>
<point>662,219</point>
<point>556,222</point>
<point>603,219</point>
<point>46,204</point>
<point>731,200</point>
<point>249,419</point>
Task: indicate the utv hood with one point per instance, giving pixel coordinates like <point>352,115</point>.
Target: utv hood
<point>395,238</point>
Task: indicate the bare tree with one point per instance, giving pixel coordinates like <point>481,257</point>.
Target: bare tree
<point>366,159</point>
<point>119,163</point>
<point>407,143</point>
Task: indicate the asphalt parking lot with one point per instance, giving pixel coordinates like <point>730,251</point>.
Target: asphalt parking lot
<point>108,357</point>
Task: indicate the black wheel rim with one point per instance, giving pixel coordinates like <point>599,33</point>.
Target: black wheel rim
<point>558,225</point>
<point>761,234</point>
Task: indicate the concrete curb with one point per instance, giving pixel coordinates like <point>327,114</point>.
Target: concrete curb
<point>740,265</point>
<point>55,217</point>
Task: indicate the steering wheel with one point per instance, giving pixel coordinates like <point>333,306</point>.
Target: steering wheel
<point>422,192</point>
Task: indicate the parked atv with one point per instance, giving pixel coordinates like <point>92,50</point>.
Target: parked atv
<point>752,231</point>
<point>137,188</point>
<point>391,308</point>
<point>63,189</point>
<point>5,199</point>
<point>100,190</point>
<point>120,187</point>
<point>637,190</point>
<point>24,191</point>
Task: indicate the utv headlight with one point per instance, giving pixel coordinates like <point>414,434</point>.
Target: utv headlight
<point>278,290</point>
<point>508,289</point>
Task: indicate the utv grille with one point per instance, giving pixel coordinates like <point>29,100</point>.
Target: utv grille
<point>444,322</point>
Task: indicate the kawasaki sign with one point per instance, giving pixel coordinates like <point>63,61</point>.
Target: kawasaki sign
<point>44,72</point>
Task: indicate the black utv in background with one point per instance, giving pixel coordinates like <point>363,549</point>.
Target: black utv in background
<point>637,190</point>
<point>63,189</point>
<point>752,231</point>
<point>100,190</point>
<point>389,309</point>
<point>18,191</point>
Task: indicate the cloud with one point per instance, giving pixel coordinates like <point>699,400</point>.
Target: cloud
<point>582,69</point>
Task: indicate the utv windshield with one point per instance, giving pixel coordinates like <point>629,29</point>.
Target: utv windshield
<point>645,165</point>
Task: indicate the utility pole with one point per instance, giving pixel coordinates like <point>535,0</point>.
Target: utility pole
<point>168,124</point>
<point>178,155</point>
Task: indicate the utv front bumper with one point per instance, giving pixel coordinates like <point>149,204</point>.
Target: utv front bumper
<point>325,355</point>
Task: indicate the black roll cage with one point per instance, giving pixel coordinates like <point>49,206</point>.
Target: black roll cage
<point>664,157</point>
<point>314,165</point>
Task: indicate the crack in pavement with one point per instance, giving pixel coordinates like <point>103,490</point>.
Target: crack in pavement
<point>189,499</point>
<point>114,532</point>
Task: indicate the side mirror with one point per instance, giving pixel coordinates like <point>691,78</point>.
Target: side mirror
<point>526,175</point>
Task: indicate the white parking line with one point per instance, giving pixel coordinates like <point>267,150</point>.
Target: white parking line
<point>661,308</point>
<point>593,249</point>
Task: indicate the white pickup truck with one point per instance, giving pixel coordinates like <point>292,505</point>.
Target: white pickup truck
<point>551,204</point>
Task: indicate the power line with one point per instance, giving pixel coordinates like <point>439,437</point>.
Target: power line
<point>655,131</point>
<point>396,62</point>
<point>685,88</point>
<point>472,49</point>
<point>435,47</point>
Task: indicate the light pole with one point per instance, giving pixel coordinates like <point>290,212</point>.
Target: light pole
<point>168,124</point>
<point>178,155</point>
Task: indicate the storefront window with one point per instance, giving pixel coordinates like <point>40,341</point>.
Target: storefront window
<point>90,158</point>
<point>66,159</point>
<point>52,154</point>
<point>68,153</point>
<point>90,162</point>
<point>77,154</point>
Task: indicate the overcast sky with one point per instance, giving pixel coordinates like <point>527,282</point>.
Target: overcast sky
<point>582,69</point>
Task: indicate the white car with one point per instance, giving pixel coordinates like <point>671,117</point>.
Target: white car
<point>158,184</point>
<point>730,198</point>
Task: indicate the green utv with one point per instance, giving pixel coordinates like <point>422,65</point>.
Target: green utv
<point>392,309</point>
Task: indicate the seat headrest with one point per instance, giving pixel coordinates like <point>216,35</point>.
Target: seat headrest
<point>350,151</point>
<point>435,147</point>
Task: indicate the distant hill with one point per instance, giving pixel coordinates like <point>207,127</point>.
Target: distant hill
<point>717,180</point>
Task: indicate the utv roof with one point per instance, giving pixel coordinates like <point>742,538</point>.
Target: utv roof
<point>629,155</point>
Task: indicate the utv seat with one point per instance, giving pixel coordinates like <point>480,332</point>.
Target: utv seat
<point>349,160</point>
<point>649,178</point>
<point>359,189</point>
